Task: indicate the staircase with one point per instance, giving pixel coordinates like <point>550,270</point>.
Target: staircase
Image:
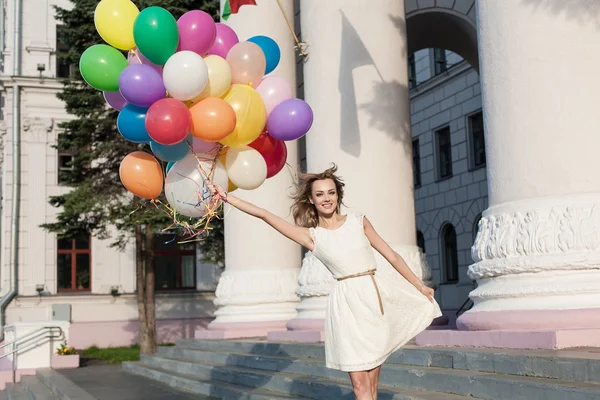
<point>47,384</point>
<point>269,370</point>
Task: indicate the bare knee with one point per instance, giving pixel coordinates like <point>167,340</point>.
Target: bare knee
<point>361,383</point>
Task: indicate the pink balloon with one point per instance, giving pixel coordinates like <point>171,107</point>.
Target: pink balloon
<point>247,62</point>
<point>197,32</point>
<point>273,90</point>
<point>115,100</point>
<point>224,41</point>
<point>136,57</point>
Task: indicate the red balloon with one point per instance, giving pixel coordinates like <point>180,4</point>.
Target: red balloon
<point>264,144</point>
<point>168,121</point>
<point>276,160</point>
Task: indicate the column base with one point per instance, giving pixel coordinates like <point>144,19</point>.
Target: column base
<point>305,330</point>
<point>512,339</point>
<point>240,330</point>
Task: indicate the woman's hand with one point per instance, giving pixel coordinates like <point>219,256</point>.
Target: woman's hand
<point>427,292</point>
<point>216,189</point>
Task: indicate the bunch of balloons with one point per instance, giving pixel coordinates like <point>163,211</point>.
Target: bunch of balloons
<point>200,98</point>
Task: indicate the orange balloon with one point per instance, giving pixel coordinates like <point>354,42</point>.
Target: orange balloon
<point>142,175</point>
<point>213,119</point>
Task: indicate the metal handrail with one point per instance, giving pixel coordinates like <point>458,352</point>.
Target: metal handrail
<point>17,348</point>
<point>34,334</point>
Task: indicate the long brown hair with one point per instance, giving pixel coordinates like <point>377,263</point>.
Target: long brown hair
<point>304,212</point>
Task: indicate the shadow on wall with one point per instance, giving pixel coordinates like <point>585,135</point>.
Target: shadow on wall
<point>582,11</point>
<point>388,110</point>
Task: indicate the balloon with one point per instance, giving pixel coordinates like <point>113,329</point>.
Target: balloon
<point>197,32</point>
<point>185,188</point>
<point>168,121</point>
<point>115,100</point>
<point>171,153</point>
<point>135,57</point>
<point>290,120</point>
<point>246,168</point>
<point>142,175</point>
<point>213,119</point>
<point>101,65</point>
<point>155,33</point>
<point>141,85</point>
<point>114,22</point>
<point>270,49</point>
<point>250,115</point>
<point>247,62</point>
<point>200,146</point>
<point>224,40</point>
<point>185,75</point>
<point>276,160</point>
<point>264,144</point>
<point>273,90</point>
<point>169,166</point>
<point>131,123</point>
<point>219,77</point>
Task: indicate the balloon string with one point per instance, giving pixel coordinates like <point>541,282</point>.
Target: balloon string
<point>300,46</point>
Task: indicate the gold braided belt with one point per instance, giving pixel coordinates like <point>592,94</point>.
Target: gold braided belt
<point>371,273</point>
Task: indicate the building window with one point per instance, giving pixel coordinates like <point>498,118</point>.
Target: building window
<point>416,155</point>
<point>174,263</point>
<point>63,68</point>
<point>74,264</point>
<point>440,61</point>
<point>449,254</point>
<point>65,167</point>
<point>412,72</point>
<point>421,241</point>
<point>476,227</point>
<point>477,140</point>
<point>444,153</point>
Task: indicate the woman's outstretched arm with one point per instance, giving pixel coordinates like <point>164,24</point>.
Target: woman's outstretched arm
<point>297,234</point>
<point>395,259</point>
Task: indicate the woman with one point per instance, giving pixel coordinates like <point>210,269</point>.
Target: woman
<point>369,314</point>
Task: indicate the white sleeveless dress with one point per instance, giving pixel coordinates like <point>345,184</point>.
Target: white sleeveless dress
<point>357,336</point>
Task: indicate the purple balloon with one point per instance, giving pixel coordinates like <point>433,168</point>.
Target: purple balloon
<point>135,57</point>
<point>141,85</point>
<point>115,100</point>
<point>225,40</point>
<point>197,32</point>
<point>290,120</point>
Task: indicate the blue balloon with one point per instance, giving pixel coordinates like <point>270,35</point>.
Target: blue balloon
<point>169,166</point>
<point>170,153</point>
<point>271,50</point>
<point>131,123</point>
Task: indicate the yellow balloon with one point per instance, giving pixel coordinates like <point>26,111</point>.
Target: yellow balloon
<point>250,112</point>
<point>219,77</point>
<point>114,22</point>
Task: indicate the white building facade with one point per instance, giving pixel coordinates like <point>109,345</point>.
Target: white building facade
<point>399,106</point>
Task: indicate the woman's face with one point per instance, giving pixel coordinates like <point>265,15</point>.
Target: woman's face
<point>324,196</point>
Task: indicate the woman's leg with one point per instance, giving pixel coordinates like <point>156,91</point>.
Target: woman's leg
<point>374,377</point>
<point>361,383</point>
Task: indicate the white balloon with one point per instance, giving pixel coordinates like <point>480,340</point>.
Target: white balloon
<point>185,75</point>
<point>185,184</point>
<point>219,77</point>
<point>273,90</point>
<point>246,167</point>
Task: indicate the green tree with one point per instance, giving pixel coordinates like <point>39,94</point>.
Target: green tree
<point>98,201</point>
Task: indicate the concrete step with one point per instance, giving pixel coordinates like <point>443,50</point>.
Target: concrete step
<point>15,391</point>
<point>36,389</point>
<point>261,371</point>
<point>312,386</point>
<point>582,365</point>
<point>61,387</point>
<point>207,387</point>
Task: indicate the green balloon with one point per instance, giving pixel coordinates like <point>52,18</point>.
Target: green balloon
<point>156,35</point>
<point>101,65</point>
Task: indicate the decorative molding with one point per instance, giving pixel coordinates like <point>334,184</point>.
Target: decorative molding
<point>513,239</point>
<point>315,279</point>
<point>3,130</point>
<point>38,129</point>
<point>255,287</point>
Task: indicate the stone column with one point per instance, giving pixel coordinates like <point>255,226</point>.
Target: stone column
<point>537,253</point>
<point>256,292</point>
<point>356,81</point>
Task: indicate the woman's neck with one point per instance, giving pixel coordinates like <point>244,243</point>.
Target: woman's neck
<point>329,221</point>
